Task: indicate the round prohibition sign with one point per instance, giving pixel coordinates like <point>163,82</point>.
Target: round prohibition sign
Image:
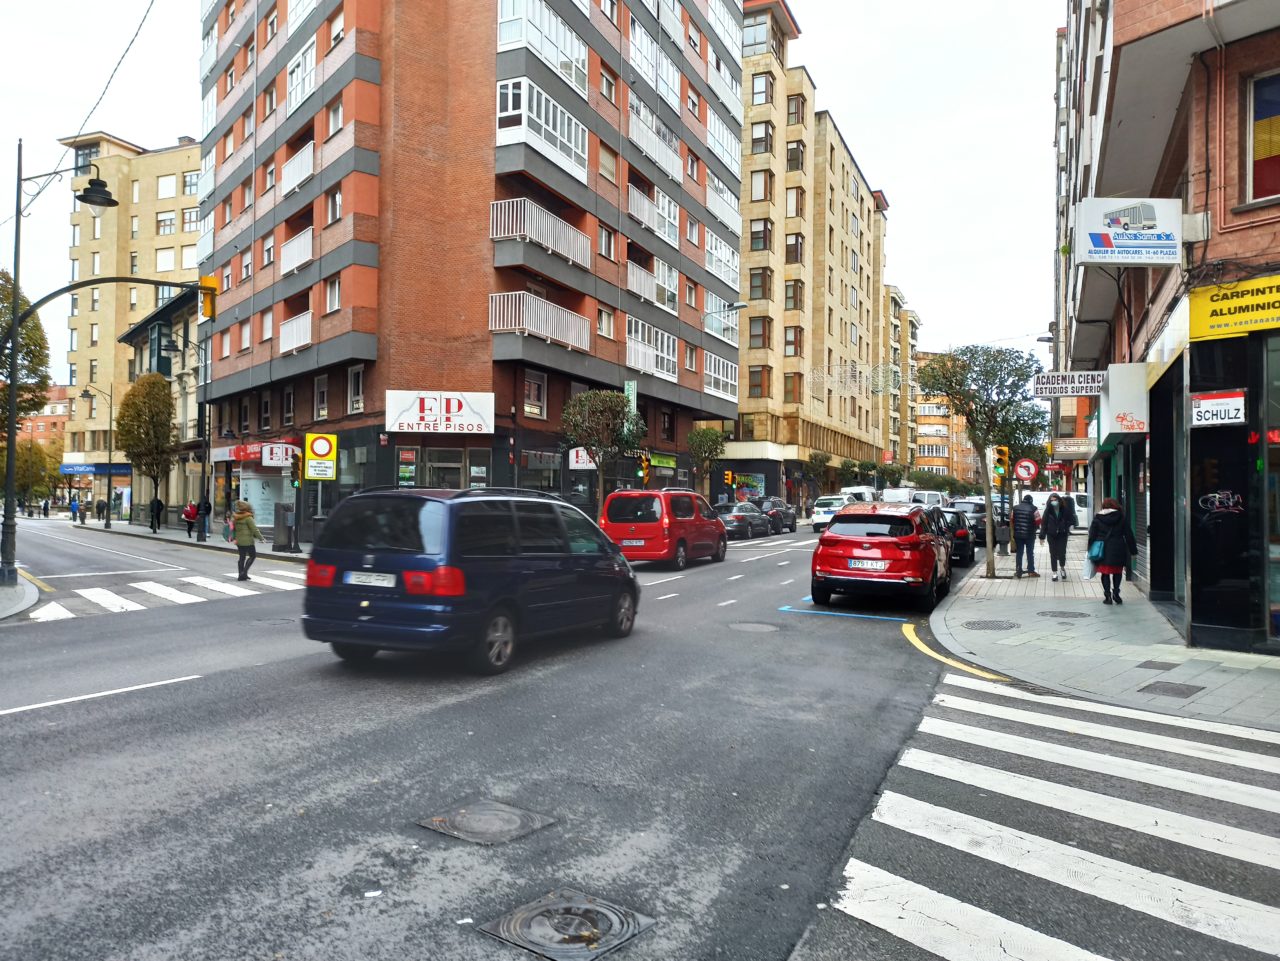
<point>1026,469</point>
<point>320,448</point>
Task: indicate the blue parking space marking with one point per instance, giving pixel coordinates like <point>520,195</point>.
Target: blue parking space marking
<point>788,609</point>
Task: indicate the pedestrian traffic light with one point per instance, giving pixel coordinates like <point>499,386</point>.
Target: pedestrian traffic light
<point>295,471</point>
<point>1001,466</point>
<point>728,478</point>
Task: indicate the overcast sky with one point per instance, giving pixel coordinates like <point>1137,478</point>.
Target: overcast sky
<point>948,109</point>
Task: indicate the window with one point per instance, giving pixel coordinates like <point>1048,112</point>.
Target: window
<point>604,322</point>
<point>540,531</point>
<point>608,86</point>
<point>333,293</point>
<point>690,357</point>
<point>606,242</point>
<point>246,335</point>
<point>758,381</point>
<point>226,212</point>
<point>761,89</point>
<point>795,201</point>
<point>95,298</point>
<point>244,415</point>
<point>264,411</point>
<point>71,373</point>
<point>246,125</point>
<point>795,248</point>
<point>695,39</point>
<point>75,308</point>
<point>795,108</point>
<point>133,228</point>
<point>229,144</point>
<point>486,529</point>
<point>761,283</point>
<point>719,376</point>
<point>691,166</point>
<point>761,333</point>
<point>246,194</point>
<point>133,262</point>
<point>267,324</point>
<point>333,205</point>
<point>691,294</point>
<point>694,102</point>
<point>269,100</point>
<point>86,154</point>
<point>335,116</point>
<point>246,265</point>
<point>226,276</point>
<point>794,299</point>
<point>1264,137</point>
<point>792,388</point>
<point>95,264</point>
<point>762,235</point>
<point>795,155</point>
<point>190,219</point>
<point>93,331</point>
<point>760,35</point>
<point>762,185</point>
<point>321,397</point>
<point>608,163</point>
<point>535,394</point>
<point>610,9</point>
<point>190,258</point>
<point>273,24</point>
<point>762,138</point>
<point>286,407</point>
<point>93,371</point>
<point>75,235</point>
<point>268,249</point>
<point>693,232</point>
<point>355,389</point>
<point>166,223</point>
<point>269,176</point>
<point>300,77</point>
<point>75,270</point>
<point>337,29</point>
<point>793,342</point>
<point>667,431</point>
<point>135,187</point>
<point>226,343</point>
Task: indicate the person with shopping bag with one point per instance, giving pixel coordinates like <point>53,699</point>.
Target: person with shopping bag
<point>245,532</point>
<point>1111,545</point>
<point>1055,527</point>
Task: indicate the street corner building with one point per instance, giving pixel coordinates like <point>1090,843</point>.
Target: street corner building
<point>434,223</point>
<point>1169,285</point>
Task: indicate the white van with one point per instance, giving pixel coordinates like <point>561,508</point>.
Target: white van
<point>897,495</point>
<point>866,494</point>
<point>930,498</point>
<point>1081,500</point>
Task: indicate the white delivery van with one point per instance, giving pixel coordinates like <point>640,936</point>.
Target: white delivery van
<point>866,494</point>
<point>930,498</point>
<point>897,495</point>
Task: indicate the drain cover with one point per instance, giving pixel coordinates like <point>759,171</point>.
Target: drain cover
<point>487,822</point>
<point>567,925</point>
<point>1061,614</point>
<point>990,625</point>
<point>754,628</point>
<point>1169,689</point>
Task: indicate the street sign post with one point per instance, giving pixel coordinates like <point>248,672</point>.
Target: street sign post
<point>321,456</point>
<point>1026,470</point>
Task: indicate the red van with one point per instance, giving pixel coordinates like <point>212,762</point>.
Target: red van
<point>671,525</point>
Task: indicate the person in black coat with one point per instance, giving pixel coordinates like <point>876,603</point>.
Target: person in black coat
<point>1111,527</point>
<point>1055,527</point>
<point>1024,521</point>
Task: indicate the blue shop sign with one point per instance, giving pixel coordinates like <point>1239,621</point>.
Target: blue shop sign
<point>118,470</point>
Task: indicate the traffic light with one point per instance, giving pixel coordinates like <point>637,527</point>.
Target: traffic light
<point>728,478</point>
<point>644,463</point>
<point>295,470</point>
<point>1001,466</point>
<point>209,300</point>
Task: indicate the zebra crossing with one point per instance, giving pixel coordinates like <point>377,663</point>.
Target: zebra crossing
<point>142,595</point>
<point>1019,825</point>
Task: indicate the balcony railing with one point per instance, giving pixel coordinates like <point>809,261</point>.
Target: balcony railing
<point>652,147</point>
<point>298,169</point>
<point>205,185</point>
<point>646,211</point>
<point>521,312</point>
<point>297,251</point>
<point>642,283</point>
<point>522,219</point>
<point>724,211</point>
<point>204,247</point>
<point>208,57</point>
<point>295,333</point>
<point>644,358</point>
<point>730,93</point>
<point>669,20</point>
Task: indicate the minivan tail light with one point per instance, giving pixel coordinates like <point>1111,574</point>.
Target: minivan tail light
<point>320,575</point>
<point>666,527</point>
<point>442,582</point>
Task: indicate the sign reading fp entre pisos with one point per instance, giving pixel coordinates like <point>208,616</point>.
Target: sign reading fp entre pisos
<point>1236,309</point>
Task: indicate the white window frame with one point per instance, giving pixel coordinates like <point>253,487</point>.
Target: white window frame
<point>724,144</point>
<point>667,286</point>
<point>527,114</point>
<point>606,242</point>
<point>719,376</point>
<point>166,186</point>
<point>300,76</point>
<point>333,293</point>
<point>333,205</point>
<point>604,322</point>
<point>664,346</point>
<point>268,250</point>
<point>642,53</point>
<point>355,397</point>
<point>320,411</point>
<point>246,335</point>
<point>266,329</point>
<point>533,24</point>
<point>334,115</point>
<point>165,259</point>
<point>95,264</point>
<point>537,408</point>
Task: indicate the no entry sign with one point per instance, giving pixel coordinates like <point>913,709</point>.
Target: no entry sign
<point>321,457</point>
<point>1026,470</point>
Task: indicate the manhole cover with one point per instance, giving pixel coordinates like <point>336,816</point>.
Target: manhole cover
<point>1062,614</point>
<point>487,822</point>
<point>567,925</point>
<point>1169,689</point>
<point>754,628</point>
<point>990,625</point>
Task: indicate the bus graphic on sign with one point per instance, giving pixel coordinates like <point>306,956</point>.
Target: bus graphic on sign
<point>1135,217</point>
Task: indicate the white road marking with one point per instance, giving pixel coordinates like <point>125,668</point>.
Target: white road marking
<point>1160,742</point>
<point>106,550</point>
<point>52,611</point>
<point>735,577</point>
<point>806,543</point>
<point>674,577</point>
<point>785,583</point>
<point>148,570</point>
<point>748,560</point>
<point>108,599</point>
<point>86,697</point>
<point>1213,727</point>
<point>726,603</point>
<point>942,925</point>
<point>278,585</point>
<point>1188,905</point>
<point>667,596</point>
<point>783,563</point>
<point>1194,832</point>
<point>167,592</point>
<point>1188,782</point>
<point>215,585</point>
<point>280,572</point>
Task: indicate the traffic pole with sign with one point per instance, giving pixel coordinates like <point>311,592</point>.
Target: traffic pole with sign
<point>320,463</point>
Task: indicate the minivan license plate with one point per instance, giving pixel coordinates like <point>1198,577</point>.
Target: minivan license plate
<point>369,579</point>
<point>868,565</point>
<point>633,543</point>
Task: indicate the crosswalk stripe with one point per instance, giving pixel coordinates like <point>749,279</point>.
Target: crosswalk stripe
<point>108,599</point>
<point>1159,742</point>
<point>213,584</point>
<point>268,582</point>
<point>1188,905</point>
<point>53,611</point>
<point>1214,727</point>
<point>1188,782</point>
<point>167,592</point>
<point>943,925</point>
<point>1157,822</point>
<point>278,572</point>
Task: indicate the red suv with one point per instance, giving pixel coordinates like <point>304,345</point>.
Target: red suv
<point>883,548</point>
<point>668,525</point>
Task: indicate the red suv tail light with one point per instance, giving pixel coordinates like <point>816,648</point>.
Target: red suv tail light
<point>912,543</point>
<point>442,582</point>
<point>961,532</point>
<point>320,575</point>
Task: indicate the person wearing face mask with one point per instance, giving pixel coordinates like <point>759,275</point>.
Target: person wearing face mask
<point>1055,527</point>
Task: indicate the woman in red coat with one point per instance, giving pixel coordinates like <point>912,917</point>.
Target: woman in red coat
<point>1111,527</point>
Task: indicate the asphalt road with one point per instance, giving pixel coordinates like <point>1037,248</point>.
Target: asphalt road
<point>708,771</point>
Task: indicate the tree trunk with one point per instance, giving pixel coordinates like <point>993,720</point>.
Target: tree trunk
<point>990,519</point>
<point>599,488</point>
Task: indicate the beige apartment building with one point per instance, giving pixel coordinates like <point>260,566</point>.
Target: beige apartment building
<point>810,265</point>
<point>152,234</point>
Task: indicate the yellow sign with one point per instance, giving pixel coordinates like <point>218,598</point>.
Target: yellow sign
<point>1235,310</point>
<point>321,456</point>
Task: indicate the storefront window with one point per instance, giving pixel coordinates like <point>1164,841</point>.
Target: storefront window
<point>444,468</point>
<point>479,467</point>
<point>540,470</point>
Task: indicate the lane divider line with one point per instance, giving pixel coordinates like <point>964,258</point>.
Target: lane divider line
<point>735,577</point>
<point>674,577</point>
<point>910,631</point>
<point>788,609</point>
<point>36,581</point>
<point>87,697</point>
<point>667,596</point>
<point>726,603</point>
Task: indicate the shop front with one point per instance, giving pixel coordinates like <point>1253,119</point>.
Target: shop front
<point>90,483</point>
<point>441,439</point>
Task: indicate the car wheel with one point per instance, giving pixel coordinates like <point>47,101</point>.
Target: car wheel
<point>353,652</point>
<point>793,527</point>
<point>624,615</point>
<point>494,649</point>
<point>681,558</point>
<point>929,599</point>
<point>821,594</point>
<point>722,550</point>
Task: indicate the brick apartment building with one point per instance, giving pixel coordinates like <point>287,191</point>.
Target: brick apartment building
<point>896,342</point>
<point>435,222</point>
<point>1172,99</point>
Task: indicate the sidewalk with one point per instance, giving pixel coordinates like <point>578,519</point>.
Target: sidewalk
<point>1061,636</point>
<point>178,535</point>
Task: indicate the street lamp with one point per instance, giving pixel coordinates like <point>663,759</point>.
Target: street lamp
<point>228,434</point>
<point>109,394</point>
<point>95,196</point>
<point>171,347</point>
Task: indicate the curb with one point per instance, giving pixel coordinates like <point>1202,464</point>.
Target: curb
<point>30,597</point>
<point>299,558</point>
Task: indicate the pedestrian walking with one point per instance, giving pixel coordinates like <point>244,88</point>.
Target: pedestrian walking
<point>1025,516</point>
<point>100,508</point>
<point>190,514</point>
<point>205,510</point>
<point>75,507</point>
<point>1055,527</point>
<point>1110,529</point>
<point>245,531</point>
<point>44,508</point>
<point>157,511</point>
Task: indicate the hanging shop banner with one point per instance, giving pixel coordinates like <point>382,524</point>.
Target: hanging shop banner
<point>1129,230</point>
<point>1069,383</point>
<point>1075,448</point>
<point>1218,408</point>
<point>663,460</point>
<point>1236,310</point>
<point>439,412</point>
<point>579,459</point>
<point>406,466</point>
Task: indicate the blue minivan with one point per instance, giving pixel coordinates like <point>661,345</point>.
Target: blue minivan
<point>476,571</point>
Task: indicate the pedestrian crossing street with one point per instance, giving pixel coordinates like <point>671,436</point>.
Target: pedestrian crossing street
<point>1029,826</point>
<point>141,595</point>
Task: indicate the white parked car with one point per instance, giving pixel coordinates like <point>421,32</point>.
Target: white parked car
<point>825,507</point>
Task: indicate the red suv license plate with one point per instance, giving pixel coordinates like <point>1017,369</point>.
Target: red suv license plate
<point>867,565</point>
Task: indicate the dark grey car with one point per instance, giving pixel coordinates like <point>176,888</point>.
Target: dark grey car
<point>782,516</point>
<point>744,520</point>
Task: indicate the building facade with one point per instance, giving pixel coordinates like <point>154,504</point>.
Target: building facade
<point>943,445</point>
<point>432,233</point>
<point>49,426</point>
<point>153,234</point>
<point>895,381</point>
<point>1162,102</point>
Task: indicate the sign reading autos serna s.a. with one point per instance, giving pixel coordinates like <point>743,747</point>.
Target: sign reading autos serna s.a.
<point>439,412</point>
<point>1128,230</point>
<point>1218,408</point>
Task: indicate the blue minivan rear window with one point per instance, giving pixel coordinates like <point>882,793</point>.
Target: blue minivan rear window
<point>407,525</point>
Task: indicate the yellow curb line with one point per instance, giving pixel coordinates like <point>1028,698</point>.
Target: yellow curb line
<point>36,581</point>
<point>910,631</point>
